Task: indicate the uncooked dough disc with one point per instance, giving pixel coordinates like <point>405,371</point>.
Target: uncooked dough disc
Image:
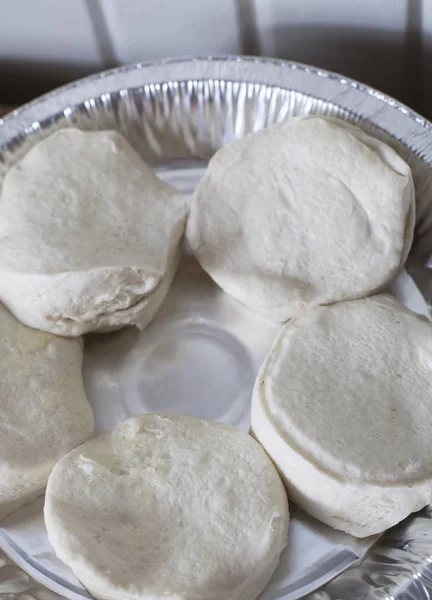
<point>44,412</point>
<point>343,405</point>
<point>89,236</point>
<point>168,507</point>
<point>303,213</point>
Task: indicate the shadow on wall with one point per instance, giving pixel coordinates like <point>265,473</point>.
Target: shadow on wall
<point>389,61</point>
<point>377,57</point>
<point>21,81</point>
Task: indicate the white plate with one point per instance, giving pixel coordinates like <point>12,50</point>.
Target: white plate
<point>200,358</point>
<point>202,353</point>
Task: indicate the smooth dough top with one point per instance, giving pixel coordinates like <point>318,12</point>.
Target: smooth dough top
<point>348,386</point>
<point>86,200</point>
<point>168,507</point>
<point>303,213</point>
<point>44,411</point>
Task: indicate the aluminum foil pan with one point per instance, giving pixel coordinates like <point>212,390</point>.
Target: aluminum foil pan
<point>177,113</point>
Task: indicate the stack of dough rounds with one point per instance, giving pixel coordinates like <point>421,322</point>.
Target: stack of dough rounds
<point>343,406</point>
<point>89,236</point>
<point>168,507</point>
<point>44,412</point>
<point>308,212</point>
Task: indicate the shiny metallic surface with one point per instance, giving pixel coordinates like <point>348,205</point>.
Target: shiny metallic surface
<point>177,113</point>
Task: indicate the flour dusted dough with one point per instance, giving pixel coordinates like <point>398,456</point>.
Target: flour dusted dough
<point>89,236</point>
<point>307,212</point>
<point>168,507</point>
<point>44,412</point>
<point>343,406</point>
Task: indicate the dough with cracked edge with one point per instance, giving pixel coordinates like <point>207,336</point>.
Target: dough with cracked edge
<point>307,212</point>
<point>168,507</point>
<point>343,406</point>
<point>89,236</point>
<point>44,411</point>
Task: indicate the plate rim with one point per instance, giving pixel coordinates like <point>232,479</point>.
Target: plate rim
<point>9,123</point>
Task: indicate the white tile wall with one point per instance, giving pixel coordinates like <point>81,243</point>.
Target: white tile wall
<point>48,32</point>
<point>387,43</point>
<point>284,23</point>
<point>143,30</point>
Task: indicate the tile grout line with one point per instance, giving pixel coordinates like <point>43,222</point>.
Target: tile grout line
<point>414,52</point>
<point>250,40</point>
<point>102,33</point>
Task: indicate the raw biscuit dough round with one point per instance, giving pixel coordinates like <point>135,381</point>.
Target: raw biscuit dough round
<point>168,507</point>
<point>303,213</point>
<point>343,406</point>
<point>89,236</point>
<point>44,411</point>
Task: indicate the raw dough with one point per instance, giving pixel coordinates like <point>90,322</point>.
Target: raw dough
<point>89,236</point>
<point>303,213</point>
<point>343,406</point>
<point>44,412</point>
<point>168,507</point>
